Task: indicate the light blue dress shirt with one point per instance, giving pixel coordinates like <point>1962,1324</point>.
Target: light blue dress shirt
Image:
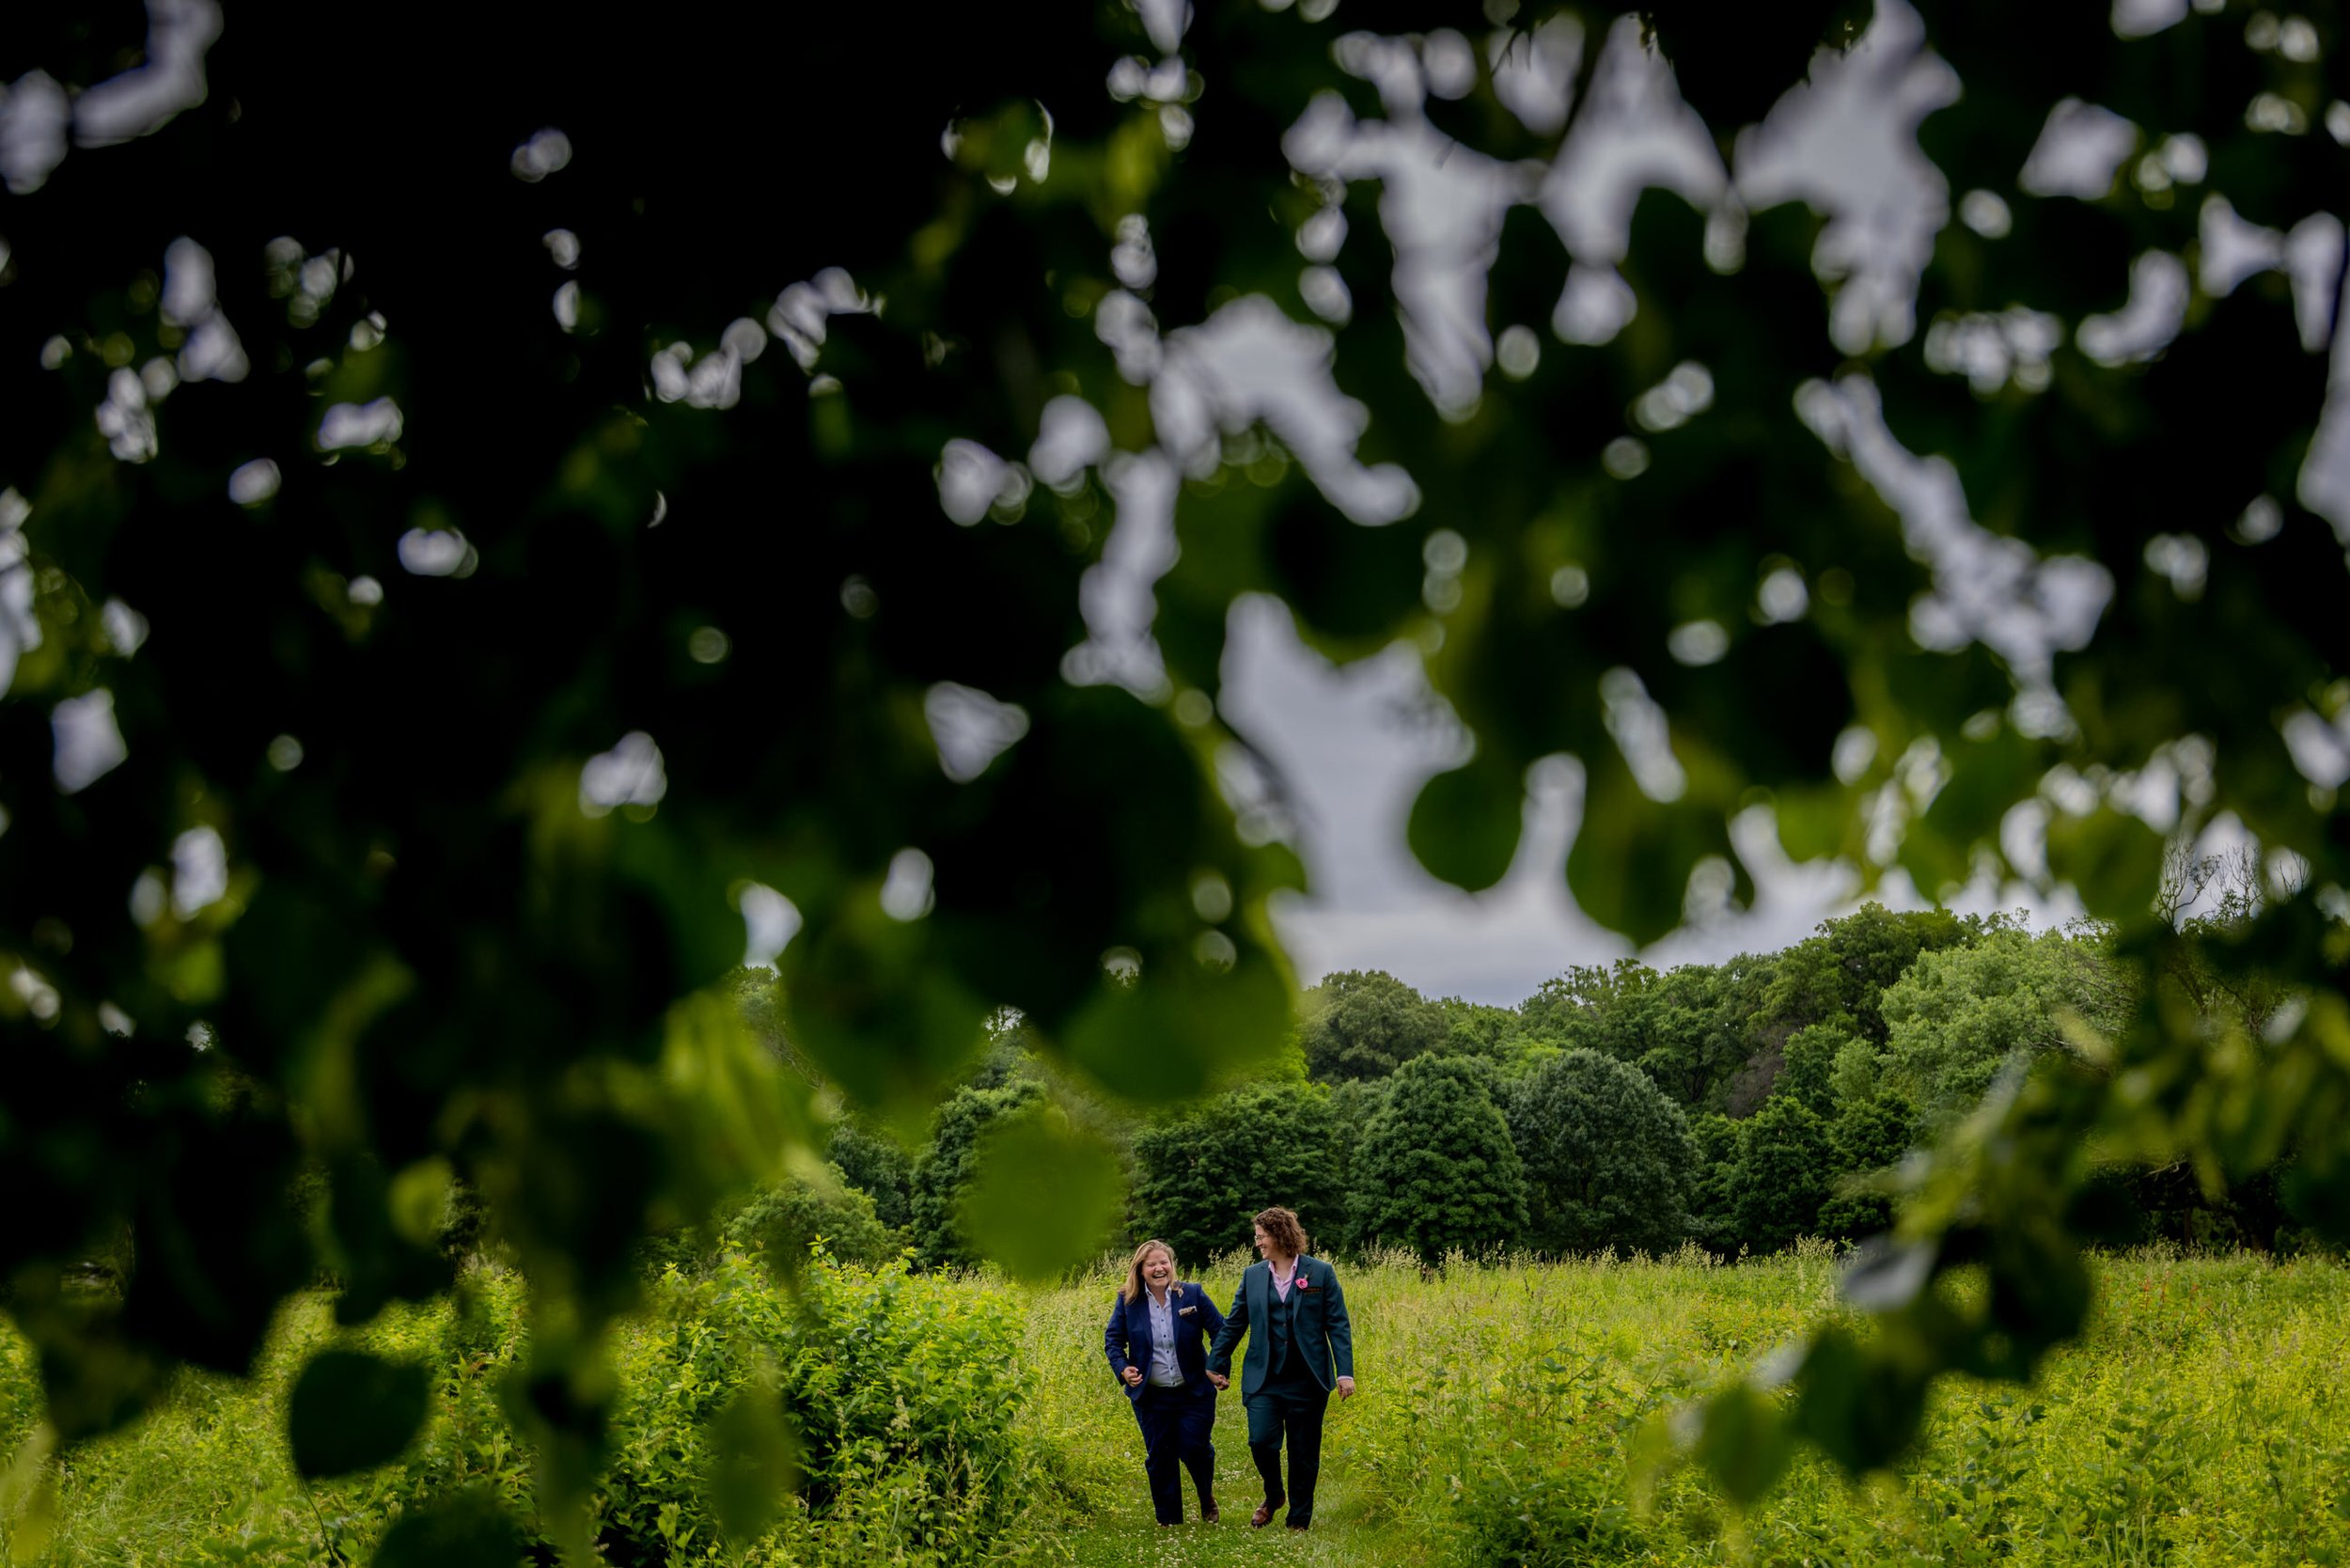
<point>1163,1373</point>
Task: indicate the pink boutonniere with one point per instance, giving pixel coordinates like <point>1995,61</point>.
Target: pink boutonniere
<point>1304,1283</point>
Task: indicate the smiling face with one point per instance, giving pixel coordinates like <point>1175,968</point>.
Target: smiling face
<point>1267,1248</point>
<point>1158,1268</point>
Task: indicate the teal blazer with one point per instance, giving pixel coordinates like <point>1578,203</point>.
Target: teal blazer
<point>1318,1325</point>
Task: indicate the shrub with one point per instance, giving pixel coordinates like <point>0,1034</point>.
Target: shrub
<point>1198,1177</point>
<point>1607,1157</point>
<point>900,1394</point>
<point>476,1343</point>
<point>779,1222</point>
<point>1537,1516</point>
<point>1438,1171</point>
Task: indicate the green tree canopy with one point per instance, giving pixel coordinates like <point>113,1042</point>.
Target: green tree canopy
<point>1607,1157</point>
<point>1438,1171</point>
<point>1692,1029</point>
<point>1495,1034</point>
<point>1714,1186</point>
<point>1867,1135</point>
<point>1591,1006</point>
<point>1365,1024</point>
<point>1786,1163</point>
<point>1961,1015</point>
<point>1838,974</point>
<point>878,1166</point>
<point>1355,1104</point>
<point>1807,1063</point>
<point>1200,1176</point>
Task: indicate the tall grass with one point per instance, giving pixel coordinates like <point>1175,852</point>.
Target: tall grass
<point>2204,1419</point>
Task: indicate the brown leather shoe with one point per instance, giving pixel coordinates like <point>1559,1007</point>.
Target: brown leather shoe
<point>1263,1515</point>
<point>1209,1513</point>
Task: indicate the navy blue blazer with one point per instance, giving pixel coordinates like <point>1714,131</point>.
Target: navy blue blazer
<point>1127,1341</point>
<point>1319,1326</point>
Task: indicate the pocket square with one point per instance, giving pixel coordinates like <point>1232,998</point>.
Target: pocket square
<point>1186,1311</point>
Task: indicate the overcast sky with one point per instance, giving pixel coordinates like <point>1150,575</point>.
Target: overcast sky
<point>1352,766</point>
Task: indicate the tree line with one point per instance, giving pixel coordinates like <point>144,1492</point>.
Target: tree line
<point>1734,1106</point>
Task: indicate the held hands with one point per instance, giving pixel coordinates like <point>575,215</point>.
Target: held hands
<point>1346,1387</point>
<point>1219,1380</point>
<point>1132,1376</point>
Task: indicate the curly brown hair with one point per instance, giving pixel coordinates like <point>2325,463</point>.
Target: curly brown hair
<point>1281,1226</point>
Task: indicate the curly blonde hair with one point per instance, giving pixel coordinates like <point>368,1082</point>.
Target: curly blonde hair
<point>1132,1290</point>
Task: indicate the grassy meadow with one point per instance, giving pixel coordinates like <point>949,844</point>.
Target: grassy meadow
<point>2203,1421</point>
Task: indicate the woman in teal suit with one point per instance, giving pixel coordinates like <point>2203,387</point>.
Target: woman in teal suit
<point>1301,1352</point>
<point>1156,1343</point>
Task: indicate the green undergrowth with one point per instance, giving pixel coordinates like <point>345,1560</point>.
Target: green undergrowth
<point>950,1420</point>
<point>869,1416</point>
<point>2201,1421</point>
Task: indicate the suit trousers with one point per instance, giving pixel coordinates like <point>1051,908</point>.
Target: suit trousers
<point>1176,1424</point>
<point>1289,1404</point>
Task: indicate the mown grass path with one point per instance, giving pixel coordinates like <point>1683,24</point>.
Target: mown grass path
<point>1343,1532</point>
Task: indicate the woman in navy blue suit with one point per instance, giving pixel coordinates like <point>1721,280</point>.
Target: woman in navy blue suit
<point>1157,1344</point>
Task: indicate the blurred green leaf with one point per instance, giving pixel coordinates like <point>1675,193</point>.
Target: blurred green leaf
<point>1742,1442</point>
<point>1857,1408</point>
<point>1629,866</point>
<point>2114,859</point>
<point>352,1411</point>
<point>754,1463</point>
<point>1464,822</point>
<point>1814,822</point>
<point>468,1531</point>
<point>1045,1195</point>
<point>1218,1004</point>
<point>734,1102</point>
